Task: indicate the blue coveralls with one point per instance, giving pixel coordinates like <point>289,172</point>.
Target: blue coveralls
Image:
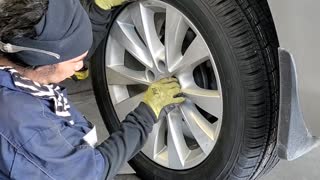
<point>37,144</point>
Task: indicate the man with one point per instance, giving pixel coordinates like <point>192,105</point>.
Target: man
<point>42,135</point>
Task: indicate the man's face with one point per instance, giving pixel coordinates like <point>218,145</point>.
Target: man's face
<point>66,69</point>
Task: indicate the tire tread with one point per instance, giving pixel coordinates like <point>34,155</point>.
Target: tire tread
<point>253,39</point>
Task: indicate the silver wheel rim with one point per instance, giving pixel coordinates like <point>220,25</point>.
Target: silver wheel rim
<point>146,44</point>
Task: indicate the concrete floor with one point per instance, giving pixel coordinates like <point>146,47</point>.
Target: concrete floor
<point>81,94</point>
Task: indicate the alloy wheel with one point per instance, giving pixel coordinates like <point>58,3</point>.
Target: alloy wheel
<point>151,40</point>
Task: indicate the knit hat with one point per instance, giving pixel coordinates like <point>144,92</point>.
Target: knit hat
<point>63,33</point>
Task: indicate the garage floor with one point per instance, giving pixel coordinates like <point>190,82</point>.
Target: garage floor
<point>81,94</point>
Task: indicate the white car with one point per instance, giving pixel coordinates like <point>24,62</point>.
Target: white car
<point>235,61</point>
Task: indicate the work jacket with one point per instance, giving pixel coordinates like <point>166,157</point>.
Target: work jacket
<point>37,144</point>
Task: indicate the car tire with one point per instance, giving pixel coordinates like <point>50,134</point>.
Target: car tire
<point>242,37</point>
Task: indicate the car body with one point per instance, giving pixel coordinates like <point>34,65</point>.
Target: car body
<point>297,32</point>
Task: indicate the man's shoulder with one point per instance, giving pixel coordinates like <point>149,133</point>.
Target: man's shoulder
<point>21,116</point>
<point>16,101</point>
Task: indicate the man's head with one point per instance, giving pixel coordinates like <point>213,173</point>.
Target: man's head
<point>46,27</point>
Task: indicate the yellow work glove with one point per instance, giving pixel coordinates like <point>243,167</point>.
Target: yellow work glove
<point>163,94</point>
<point>108,4</point>
<point>80,75</point>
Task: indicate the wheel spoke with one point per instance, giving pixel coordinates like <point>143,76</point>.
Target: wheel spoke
<point>156,141</point>
<point>176,29</point>
<point>201,129</point>
<point>121,75</point>
<point>143,19</point>
<point>196,54</point>
<point>126,35</point>
<point>178,150</point>
<point>208,100</point>
<point>125,107</point>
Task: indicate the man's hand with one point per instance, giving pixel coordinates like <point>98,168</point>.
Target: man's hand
<point>108,4</point>
<point>80,75</point>
<point>162,94</point>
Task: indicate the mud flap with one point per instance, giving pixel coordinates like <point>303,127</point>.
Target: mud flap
<point>294,139</point>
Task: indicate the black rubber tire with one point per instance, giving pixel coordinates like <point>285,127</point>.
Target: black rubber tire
<point>242,38</point>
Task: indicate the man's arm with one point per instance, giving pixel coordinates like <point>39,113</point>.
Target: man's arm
<point>122,145</point>
<point>100,20</point>
<point>131,137</point>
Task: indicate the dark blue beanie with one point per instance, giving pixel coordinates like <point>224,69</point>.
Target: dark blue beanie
<point>65,29</point>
